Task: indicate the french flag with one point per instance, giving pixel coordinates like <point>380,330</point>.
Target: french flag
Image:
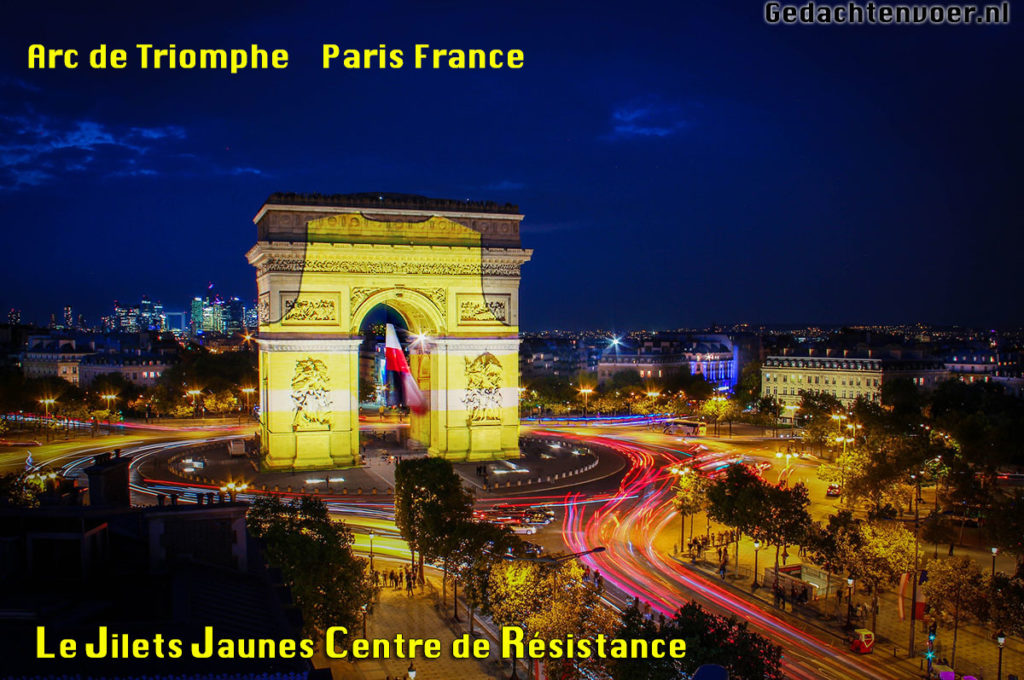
<point>919,603</point>
<point>396,363</point>
<point>917,613</point>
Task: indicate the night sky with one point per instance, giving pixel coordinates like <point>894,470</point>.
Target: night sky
<point>678,164</point>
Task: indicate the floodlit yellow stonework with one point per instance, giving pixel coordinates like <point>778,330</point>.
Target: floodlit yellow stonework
<point>450,269</point>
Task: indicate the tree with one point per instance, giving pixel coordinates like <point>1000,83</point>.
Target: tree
<point>783,519</point>
<point>815,412</point>
<point>715,408</point>
<point>17,489</point>
<point>517,591</point>
<point>572,606</point>
<point>710,639</point>
<point>936,529</point>
<point>429,501</point>
<point>1005,598</point>
<point>829,545</point>
<point>482,546</point>
<point>748,387</point>
<point>329,583</point>
<point>880,556</point>
<point>550,601</point>
<point>737,498</point>
<point>199,368</point>
<point>691,497</point>
<point>367,390</point>
<point>956,592</point>
<point>224,401</point>
<point>1005,525</point>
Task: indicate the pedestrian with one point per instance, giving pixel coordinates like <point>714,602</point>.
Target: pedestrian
<point>408,586</point>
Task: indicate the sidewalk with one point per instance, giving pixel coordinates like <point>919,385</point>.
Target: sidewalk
<point>413,616</point>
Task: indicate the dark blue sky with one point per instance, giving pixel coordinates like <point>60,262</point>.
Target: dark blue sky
<point>677,163</point>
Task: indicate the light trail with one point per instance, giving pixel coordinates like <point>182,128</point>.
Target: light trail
<point>627,523</point>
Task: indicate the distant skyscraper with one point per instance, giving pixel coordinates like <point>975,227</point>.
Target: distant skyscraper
<point>125,319</point>
<point>195,317</point>
<point>69,317</point>
<point>151,315</point>
<point>14,316</point>
<point>252,319</point>
<point>234,316</point>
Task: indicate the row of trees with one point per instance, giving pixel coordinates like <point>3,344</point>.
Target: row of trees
<point>624,392</point>
<point>201,383</point>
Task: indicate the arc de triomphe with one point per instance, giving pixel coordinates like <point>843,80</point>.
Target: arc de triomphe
<point>450,268</point>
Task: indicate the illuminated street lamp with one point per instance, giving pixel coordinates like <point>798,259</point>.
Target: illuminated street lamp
<point>849,600</point>
<point>110,399</point>
<point>1000,640</point>
<point>411,672</point>
<point>247,391</point>
<point>195,407</point>
<point>371,549</point>
<point>47,403</point>
<point>757,549</point>
<point>585,391</point>
<point>995,551</point>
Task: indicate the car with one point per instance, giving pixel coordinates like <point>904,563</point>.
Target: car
<point>833,491</point>
<point>537,517</point>
<point>532,549</point>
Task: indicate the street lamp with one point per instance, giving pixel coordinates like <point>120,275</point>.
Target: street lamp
<point>47,403</point>
<point>362,608</point>
<point>109,398</point>
<point>995,551</point>
<point>411,672</point>
<point>247,391</point>
<point>559,559</point>
<point>757,549</point>
<point>371,549</point>
<point>1001,640</point>
<point>585,391</point>
<point>849,601</point>
<point>195,408</point>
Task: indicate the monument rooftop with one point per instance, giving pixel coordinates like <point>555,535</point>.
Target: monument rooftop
<point>392,201</point>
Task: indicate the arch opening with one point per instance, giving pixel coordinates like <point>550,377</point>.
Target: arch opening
<point>385,421</point>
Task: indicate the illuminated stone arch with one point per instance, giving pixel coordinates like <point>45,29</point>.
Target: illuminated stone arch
<point>421,313</point>
<point>449,268</point>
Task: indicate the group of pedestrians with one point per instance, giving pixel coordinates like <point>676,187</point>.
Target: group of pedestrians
<point>593,577</point>
<point>396,579</point>
<point>697,545</point>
